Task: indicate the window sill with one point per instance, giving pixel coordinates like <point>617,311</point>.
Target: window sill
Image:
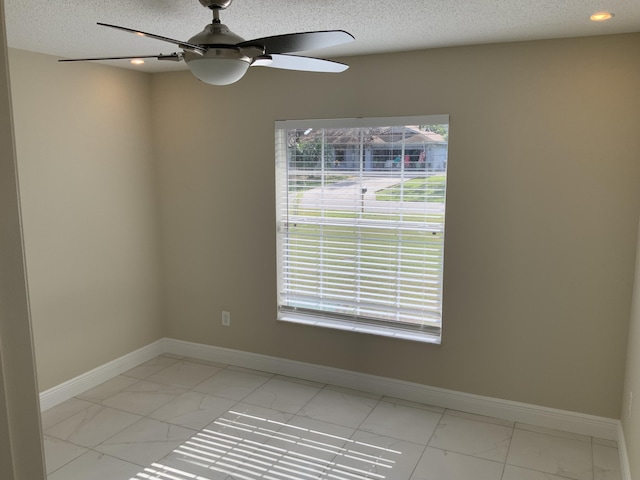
<point>384,331</point>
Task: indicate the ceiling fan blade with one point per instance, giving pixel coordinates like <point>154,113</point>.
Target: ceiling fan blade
<point>300,42</point>
<point>294,62</point>
<point>184,45</point>
<point>176,57</point>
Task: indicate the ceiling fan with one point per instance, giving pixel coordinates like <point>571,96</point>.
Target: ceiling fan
<point>218,56</point>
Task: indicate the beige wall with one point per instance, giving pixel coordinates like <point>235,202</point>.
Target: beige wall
<point>83,139</point>
<point>631,410</point>
<point>20,436</point>
<point>543,204</point>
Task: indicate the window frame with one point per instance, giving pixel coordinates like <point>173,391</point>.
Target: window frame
<point>427,333</point>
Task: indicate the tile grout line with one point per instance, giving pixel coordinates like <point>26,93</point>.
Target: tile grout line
<point>504,467</point>
<point>424,450</point>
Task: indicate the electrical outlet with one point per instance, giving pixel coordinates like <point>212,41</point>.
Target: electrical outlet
<point>226,319</point>
<point>629,406</point>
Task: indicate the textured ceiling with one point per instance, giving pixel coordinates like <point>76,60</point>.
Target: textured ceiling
<point>67,28</point>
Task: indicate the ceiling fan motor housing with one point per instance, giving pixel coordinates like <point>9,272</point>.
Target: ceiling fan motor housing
<point>216,34</point>
<point>216,4</point>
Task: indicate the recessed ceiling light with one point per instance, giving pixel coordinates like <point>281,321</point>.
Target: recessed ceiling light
<point>137,61</point>
<point>601,16</point>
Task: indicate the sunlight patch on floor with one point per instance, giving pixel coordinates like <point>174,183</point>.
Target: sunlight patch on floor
<point>248,447</point>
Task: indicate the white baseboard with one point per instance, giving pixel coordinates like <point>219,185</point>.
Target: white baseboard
<point>591,425</point>
<point>64,391</point>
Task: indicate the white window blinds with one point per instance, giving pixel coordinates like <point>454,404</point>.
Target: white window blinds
<point>361,211</point>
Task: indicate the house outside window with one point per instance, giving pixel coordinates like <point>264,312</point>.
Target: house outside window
<point>360,224</point>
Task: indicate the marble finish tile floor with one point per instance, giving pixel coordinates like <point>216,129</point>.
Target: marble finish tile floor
<point>182,419</point>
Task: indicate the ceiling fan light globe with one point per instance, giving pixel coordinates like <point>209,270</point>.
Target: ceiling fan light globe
<point>219,71</point>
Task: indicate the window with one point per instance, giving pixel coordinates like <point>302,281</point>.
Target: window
<point>360,212</point>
